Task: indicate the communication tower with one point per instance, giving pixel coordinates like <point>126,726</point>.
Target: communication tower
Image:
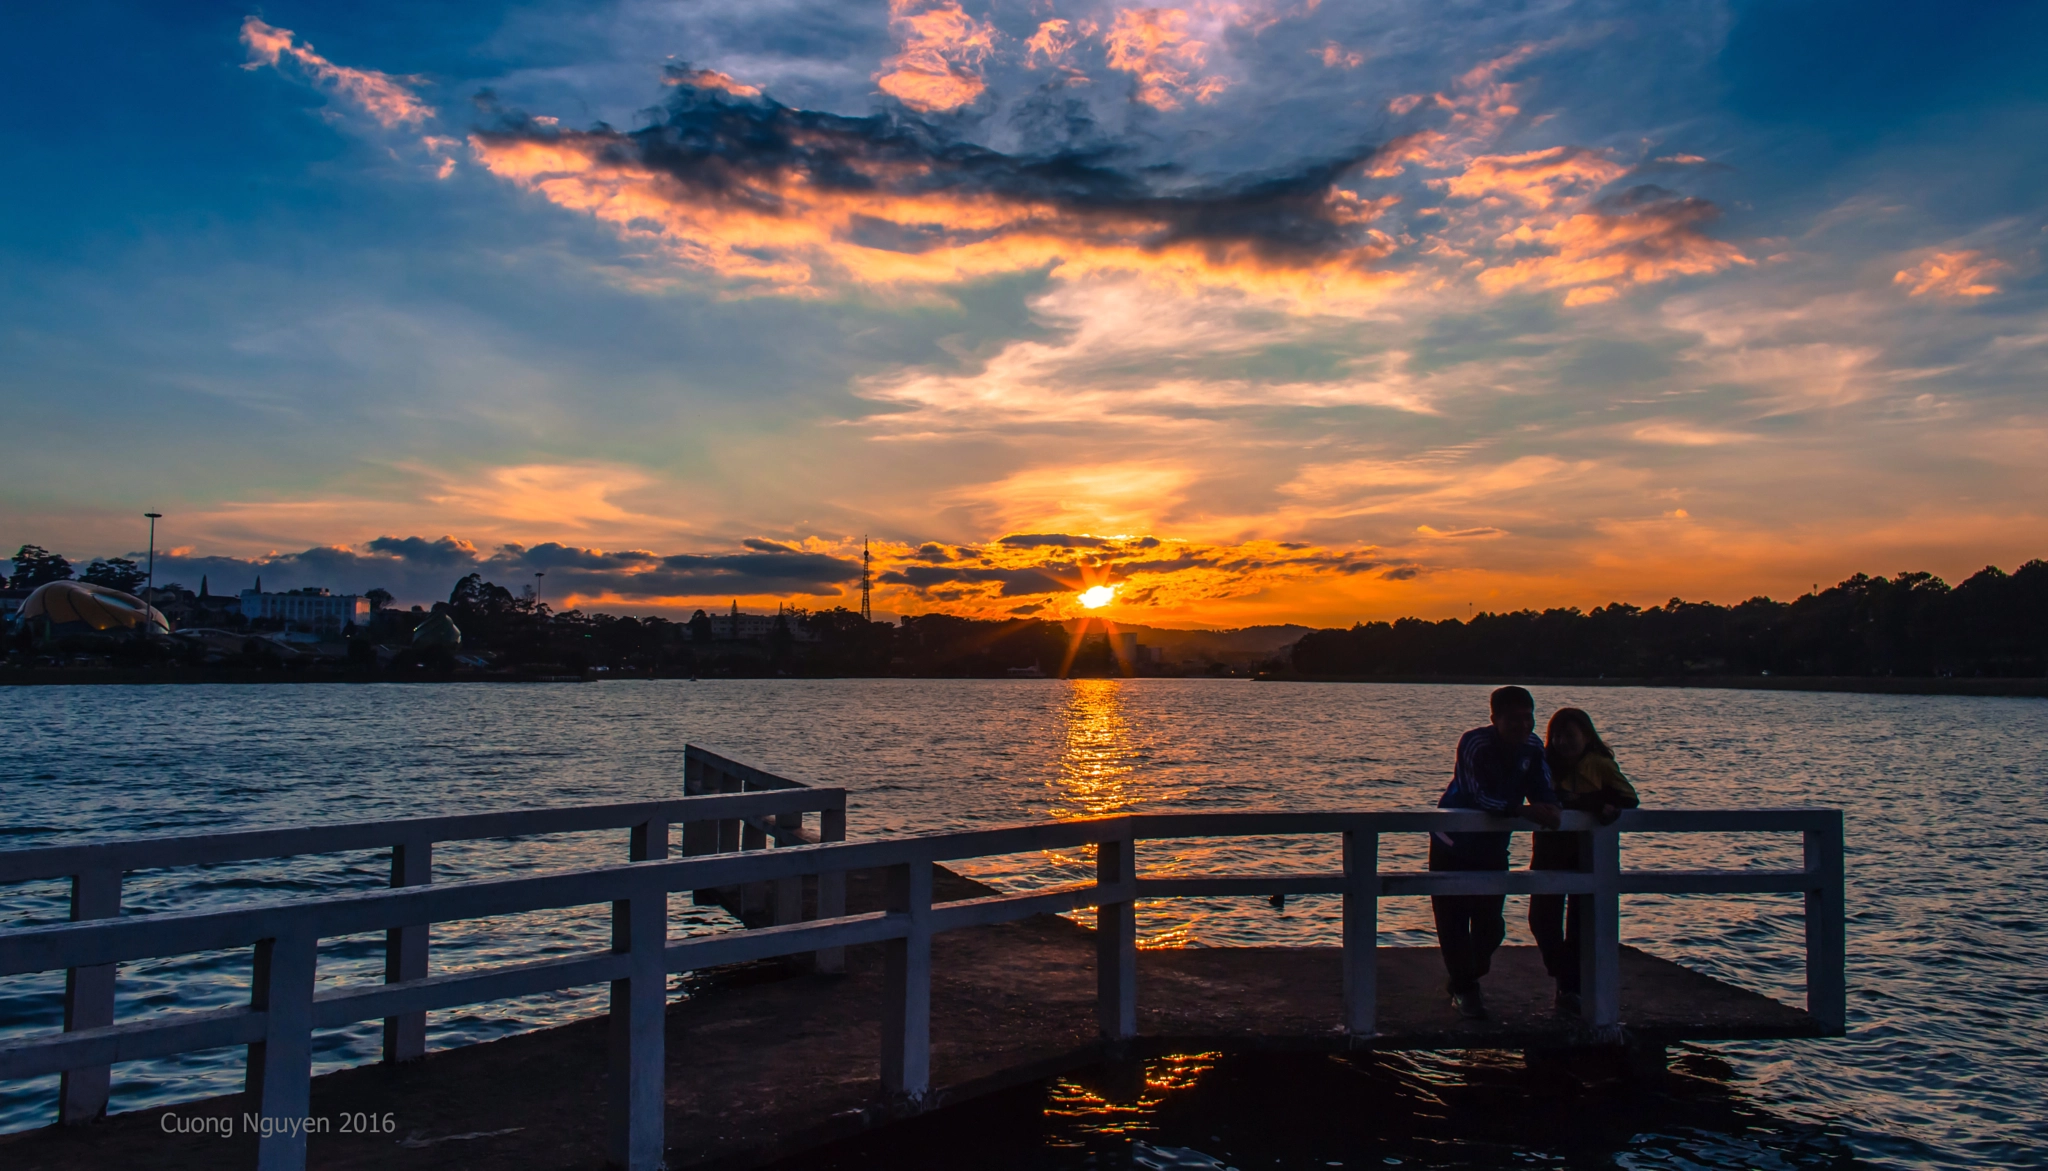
<point>867,584</point>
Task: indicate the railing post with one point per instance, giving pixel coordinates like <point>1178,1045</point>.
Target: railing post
<point>1600,938</point>
<point>1116,942</point>
<point>89,1000</point>
<point>728,838</point>
<point>649,841</point>
<point>405,953</point>
<point>1827,989</point>
<point>636,1106</point>
<point>729,829</point>
<point>699,837</point>
<point>907,985</point>
<point>753,898</point>
<point>788,905</point>
<point>280,1067</point>
<point>1361,933</point>
<point>832,887</point>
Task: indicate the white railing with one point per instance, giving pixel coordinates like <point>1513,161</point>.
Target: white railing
<point>772,810</point>
<point>284,1007</point>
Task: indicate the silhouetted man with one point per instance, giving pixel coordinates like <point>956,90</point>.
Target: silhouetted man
<point>1499,767</point>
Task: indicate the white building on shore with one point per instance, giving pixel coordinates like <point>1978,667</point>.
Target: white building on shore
<point>307,609</point>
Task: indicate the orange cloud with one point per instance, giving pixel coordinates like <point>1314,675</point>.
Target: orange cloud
<point>1590,295</point>
<point>379,94</point>
<point>711,79</point>
<point>1423,147</point>
<point>943,47</point>
<point>1154,46</point>
<point>1055,39</point>
<point>1641,243</point>
<point>1951,274</point>
<point>1336,56</point>
<point>1538,178</point>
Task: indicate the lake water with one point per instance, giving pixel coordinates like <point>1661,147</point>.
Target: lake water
<point>1946,1064</point>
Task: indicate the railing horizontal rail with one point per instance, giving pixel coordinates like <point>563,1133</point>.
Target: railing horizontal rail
<point>954,916</point>
<point>103,941</point>
<point>1283,824</point>
<point>163,1036</point>
<point>247,845</point>
<point>754,777</point>
<point>1394,883</point>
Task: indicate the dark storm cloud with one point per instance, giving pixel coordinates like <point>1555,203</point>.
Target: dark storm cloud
<point>551,556</point>
<point>752,155</point>
<point>1166,565</point>
<point>1015,582</point>
<point>1052,540</point>
<point>421,569</point>
<point>441,551</point>
<point>786,566</point>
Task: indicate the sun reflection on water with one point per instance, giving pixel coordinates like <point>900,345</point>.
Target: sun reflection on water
<point>1099,774</point>
<point>1097,759</point>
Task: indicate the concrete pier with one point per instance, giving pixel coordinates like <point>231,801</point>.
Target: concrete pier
<point>765,1060</point>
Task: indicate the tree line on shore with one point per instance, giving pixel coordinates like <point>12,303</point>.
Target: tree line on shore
<point>523,634</point>
<point>1993,625</point>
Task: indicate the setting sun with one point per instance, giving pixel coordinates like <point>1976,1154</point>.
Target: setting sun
<point>1096,597</point>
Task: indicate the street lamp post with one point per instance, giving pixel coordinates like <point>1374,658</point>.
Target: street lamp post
<point>151,599</point>
<point>536,587</point>
<point>153,518</point>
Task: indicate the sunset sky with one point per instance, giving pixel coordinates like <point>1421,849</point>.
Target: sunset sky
<point>1256,312</point>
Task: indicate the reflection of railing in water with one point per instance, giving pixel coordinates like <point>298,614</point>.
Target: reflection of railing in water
<point>96,872</point>
<point>285,1008</point>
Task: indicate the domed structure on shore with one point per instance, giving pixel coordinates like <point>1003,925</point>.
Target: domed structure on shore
<point>440,630</point>
<point>61,608</point>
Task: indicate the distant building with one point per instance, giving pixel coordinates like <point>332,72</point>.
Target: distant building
<point>1130,653</point>
<point>308,609</point>
<point>61,609</point>
<point>737,627</point>
<point>186,609</point>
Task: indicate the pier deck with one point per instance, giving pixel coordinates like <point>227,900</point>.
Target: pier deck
<point>762,1063</point>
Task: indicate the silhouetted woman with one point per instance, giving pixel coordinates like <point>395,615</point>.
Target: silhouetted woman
<point>1587,780</point>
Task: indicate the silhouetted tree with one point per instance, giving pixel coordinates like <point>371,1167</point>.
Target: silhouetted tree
<point>378,599</point>
<point>1910,624</point>
<point>116,573</point>
<point>35,565</point>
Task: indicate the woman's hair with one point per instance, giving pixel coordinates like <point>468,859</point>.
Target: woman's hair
<point>1577,718</point>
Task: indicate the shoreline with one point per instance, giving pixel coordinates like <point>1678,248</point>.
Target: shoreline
<point>2022,688</point>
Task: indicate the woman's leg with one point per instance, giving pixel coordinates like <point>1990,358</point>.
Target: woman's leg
<point>1546,923</point>
<point>1547,915</point>
<point>1567,969</point>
